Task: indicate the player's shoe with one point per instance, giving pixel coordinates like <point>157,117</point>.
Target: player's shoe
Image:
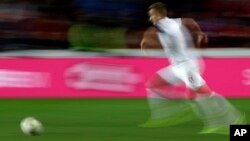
<point>176,119</point>
<point>216,130</point>
<point>223,129</point>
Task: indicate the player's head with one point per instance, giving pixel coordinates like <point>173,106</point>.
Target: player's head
<point>157,11</point>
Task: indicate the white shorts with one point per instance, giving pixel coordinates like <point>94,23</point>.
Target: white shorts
<point>187,72</point>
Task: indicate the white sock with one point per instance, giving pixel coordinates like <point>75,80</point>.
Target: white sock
<point>215,110</point>
<point>162,107</point>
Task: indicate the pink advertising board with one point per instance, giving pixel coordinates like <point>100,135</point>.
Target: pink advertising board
<point>108,77</point>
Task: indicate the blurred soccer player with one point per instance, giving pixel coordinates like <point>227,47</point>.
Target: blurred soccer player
<point>175,37</point>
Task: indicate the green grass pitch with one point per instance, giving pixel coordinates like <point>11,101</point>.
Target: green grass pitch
<point>97,120</point>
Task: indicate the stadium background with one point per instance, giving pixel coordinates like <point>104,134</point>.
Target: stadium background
<point>42,40</point>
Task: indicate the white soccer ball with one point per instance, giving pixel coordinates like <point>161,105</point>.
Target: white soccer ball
<point>31,126</point>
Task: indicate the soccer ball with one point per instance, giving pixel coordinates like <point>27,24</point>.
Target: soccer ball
<point>31,126</point>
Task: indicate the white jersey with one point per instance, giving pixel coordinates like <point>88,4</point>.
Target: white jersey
<point>175,40</point>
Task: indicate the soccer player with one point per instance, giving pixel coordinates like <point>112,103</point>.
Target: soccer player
<point>175,38</point>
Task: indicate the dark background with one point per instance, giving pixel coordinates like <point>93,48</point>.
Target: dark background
<point>46,24</point>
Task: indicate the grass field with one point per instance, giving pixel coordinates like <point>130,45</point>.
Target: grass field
<point>97,120</point>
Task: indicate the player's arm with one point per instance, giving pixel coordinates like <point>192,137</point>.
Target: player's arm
<point>143,42</point>
<point>200,37</point>
<point>150,40</point>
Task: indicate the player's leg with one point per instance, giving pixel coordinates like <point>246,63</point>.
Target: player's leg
<point>213,109</point>
<point>165,111</point>
<point>161,84</point>
<point>217,113</point>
